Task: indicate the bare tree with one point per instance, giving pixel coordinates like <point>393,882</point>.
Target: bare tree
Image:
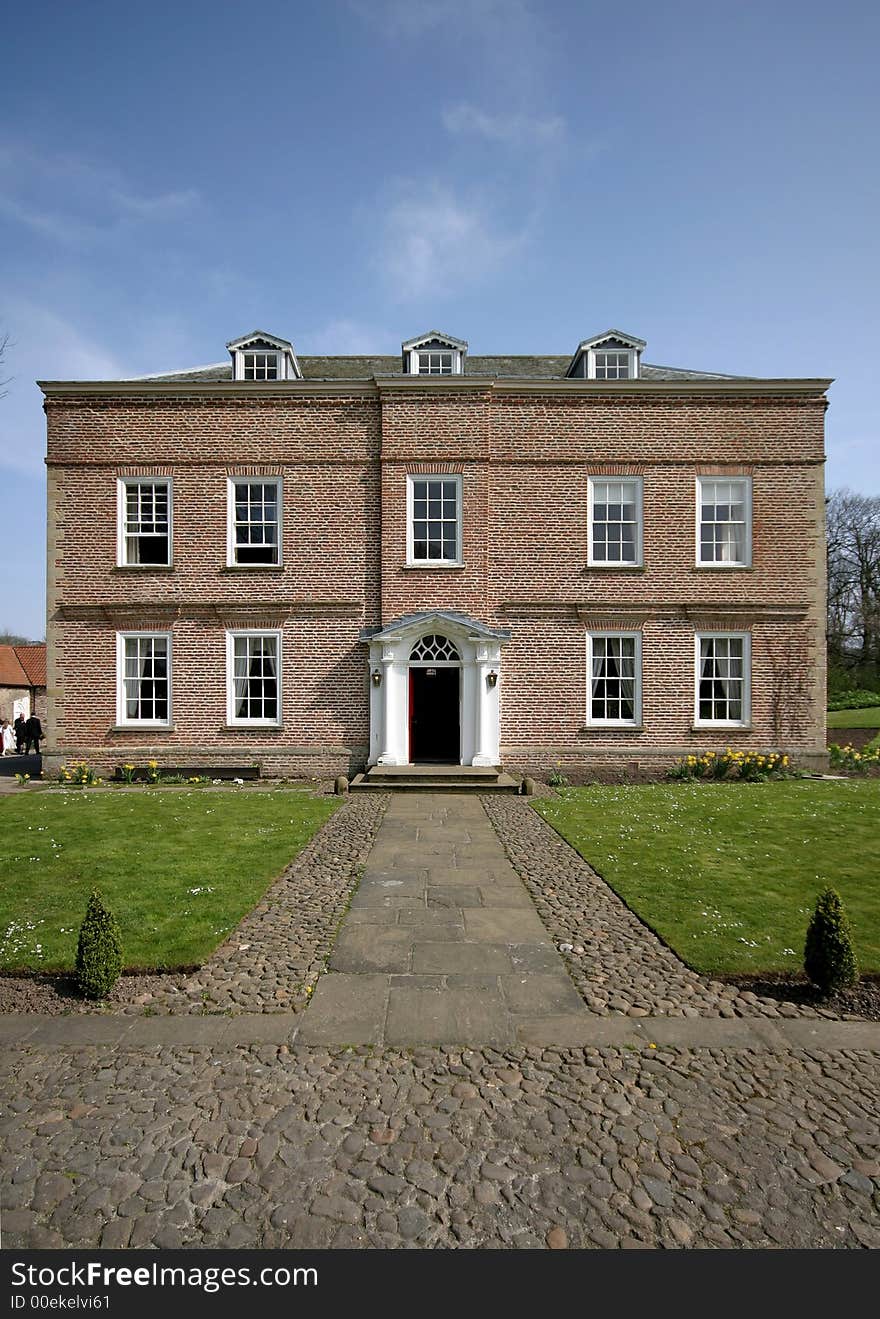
<point>5,345</point>
<point>853,523</point>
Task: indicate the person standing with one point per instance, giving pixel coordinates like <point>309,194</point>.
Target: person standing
<point>33,731</point>
<point>18,728</point>
<point>7,739</point>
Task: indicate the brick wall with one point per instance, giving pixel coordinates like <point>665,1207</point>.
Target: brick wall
<point>524,458</point>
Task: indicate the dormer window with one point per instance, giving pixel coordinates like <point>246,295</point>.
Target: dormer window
<point>434,354</point>
<point>260,366</point>
<point>613,365</point>
<point>609,356</point>
<point>259,358</point>
<point>433,363</point>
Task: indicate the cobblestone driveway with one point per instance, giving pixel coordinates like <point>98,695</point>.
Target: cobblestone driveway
<point>262,1146</point>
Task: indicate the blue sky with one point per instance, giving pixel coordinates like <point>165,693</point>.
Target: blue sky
<point>349,173</point>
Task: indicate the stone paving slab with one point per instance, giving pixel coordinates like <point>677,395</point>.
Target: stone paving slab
<point>346,1007</point>
<point>432,1016</point>
<point>563,1030</point>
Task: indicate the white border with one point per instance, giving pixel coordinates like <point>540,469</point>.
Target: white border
<point>122,720</point>
<point>233,479</point>
<point>638,562</point>
<point>746,638</point>
<point>121,512</point>
<point>458,561</point>
<point>727,563</point>
<point>636,721</point>
<point>231,634</point>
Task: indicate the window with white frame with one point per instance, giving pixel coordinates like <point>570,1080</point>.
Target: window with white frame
<point>143,679</point>
<point>253,678</point>
<point>254,520</point>
<point>723,678</point>
<point>144,521</point>
<point>434,531</point>
<point>614,662</point>
<point>435,362</point>
<point>724,521</point>
<point>615,531</point>
<point>612,364</point>
<point>260,366</point>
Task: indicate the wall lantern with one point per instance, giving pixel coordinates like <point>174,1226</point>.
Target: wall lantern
<point>492,678</point>
<point>376,675</point>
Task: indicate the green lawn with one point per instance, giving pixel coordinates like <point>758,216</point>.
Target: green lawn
<point>869,718</point>
<point>179,870</point>
<point>728,873</point>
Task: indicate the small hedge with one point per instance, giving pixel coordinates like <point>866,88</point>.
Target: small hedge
<point>99,951</point>
<point>829,955</point>
<point>855,700</point>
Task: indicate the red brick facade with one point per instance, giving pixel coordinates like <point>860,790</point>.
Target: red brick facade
<point>525,450</point>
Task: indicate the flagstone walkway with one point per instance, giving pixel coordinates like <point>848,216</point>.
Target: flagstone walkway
<point>442,944</point>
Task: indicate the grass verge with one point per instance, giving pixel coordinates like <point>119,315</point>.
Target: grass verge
<point>178,870</point>
<point>728,873</point>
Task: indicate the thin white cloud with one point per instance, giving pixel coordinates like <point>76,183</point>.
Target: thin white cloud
<point>517,130</point>
<point>44,346</point>
<point>435,242</point>
<point>73,200</point>
<point>346,337</point>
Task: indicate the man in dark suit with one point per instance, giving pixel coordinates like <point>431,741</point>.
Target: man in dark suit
<point>33,731</point>
<point>18,728</point>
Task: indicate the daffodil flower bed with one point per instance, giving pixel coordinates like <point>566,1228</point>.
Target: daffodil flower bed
<point>850,761</point>
<point>749,766</point>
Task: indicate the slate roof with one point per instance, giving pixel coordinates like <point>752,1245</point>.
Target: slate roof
<point>520,367</point>
<point>23,666</point>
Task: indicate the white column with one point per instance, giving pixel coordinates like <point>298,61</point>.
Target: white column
<point>486,708</point>
<point>386,741</point>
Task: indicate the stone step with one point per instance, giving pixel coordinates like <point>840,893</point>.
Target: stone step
<point>492,782</point>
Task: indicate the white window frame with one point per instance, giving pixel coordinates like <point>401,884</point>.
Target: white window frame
<point>411,561</point>
<point>455,353</point>
<point>231,633</point>
<point>638,561</point>
<point>592,354</point>
<point>122,719</point>
<point>122,483</point>
<point>281,365</point>
<point>232,480</point>
<point>723,564</point>
<point>745,721</point>
<point>636,721</point>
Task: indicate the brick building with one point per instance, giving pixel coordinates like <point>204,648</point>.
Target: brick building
<point>310,563</point>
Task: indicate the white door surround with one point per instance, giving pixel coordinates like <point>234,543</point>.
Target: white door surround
<point>479,651</point>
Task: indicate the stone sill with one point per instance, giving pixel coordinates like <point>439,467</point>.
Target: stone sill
<point>252,567</point>
<point>142,728</point>
<point>724,567</point>
<point>251,728</point>
<point>432,567</point>
<point>610,728</point>
<point>615,567</point>
<point>722,728</point>
<point>143,567</point>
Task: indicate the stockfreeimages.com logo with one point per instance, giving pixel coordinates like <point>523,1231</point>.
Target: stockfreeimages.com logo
<point>97,1275</point>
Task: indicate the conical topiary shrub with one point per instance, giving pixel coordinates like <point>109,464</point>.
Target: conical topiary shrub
<point>829,956</point>
<point>99,951</point>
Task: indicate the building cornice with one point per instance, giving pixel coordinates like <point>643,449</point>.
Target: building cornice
<point>379,386</point>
